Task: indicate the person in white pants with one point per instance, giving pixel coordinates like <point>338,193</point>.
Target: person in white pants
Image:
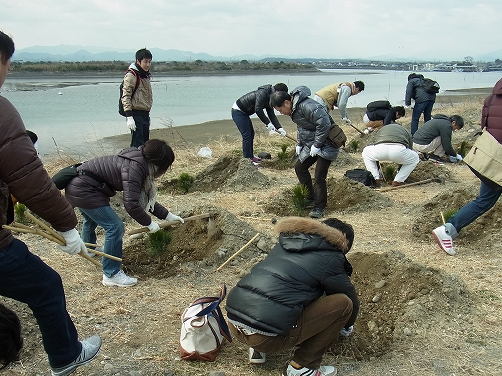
<point>391,143</point>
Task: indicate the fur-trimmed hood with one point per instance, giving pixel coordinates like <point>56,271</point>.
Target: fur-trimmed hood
<point>299,234</point>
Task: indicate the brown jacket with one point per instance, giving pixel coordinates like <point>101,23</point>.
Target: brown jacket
<point>23,175</point>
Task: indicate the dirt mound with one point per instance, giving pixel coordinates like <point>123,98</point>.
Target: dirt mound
<point>348,195</point>
<point>400,299</point>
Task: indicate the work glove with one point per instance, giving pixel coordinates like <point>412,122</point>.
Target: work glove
<point>154,227</point>
<point>453,159</point>
<point>271,129</point>
<point>314,151</point>
<point>298,149</point>
<point>347,332</point>
<point>131,124</point>
<point>172,217</point>
<point>74,243</point>
<point>282,132</point>
<point>346,120</point>
<point>459,158</point>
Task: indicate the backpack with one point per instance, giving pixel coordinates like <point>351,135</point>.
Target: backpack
<point>375,105</point>
<point>138,80</point>
<point>361,176</point>
<point>430,86</point>
<point>63,177</point>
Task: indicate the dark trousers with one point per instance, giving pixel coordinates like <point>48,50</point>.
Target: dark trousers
<point>245,126</point>
<point>317,191</point>
<point>26,278</point>
<point>142,132</point>
<point>419,108</point>
<point>318,325</point>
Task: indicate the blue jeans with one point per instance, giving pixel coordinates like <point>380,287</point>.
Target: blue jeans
<point>470,212</point>
<point>114,231</point>
<point>26,278</point>
<point>419,108</point>
<point>245,126</point>
<point>142,132</point>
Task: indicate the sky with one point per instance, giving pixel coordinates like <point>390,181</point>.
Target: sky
<point>445,29</point>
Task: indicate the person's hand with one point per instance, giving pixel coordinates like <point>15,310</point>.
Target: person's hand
<point>459,158</point>
<point>314,151</point>
<point>172,217</point>
<point>271,129</point>
<point>74,243</point>
<point>347,332</point>
<point>131,124</point>
<point>298,149</point>
<point>154,226</point>
<point>346,120</point>
<point>282,132</point>
<point>453,159</point>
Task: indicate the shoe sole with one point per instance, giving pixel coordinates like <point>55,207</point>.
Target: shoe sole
<point>69,371</point>
<point>438,241</point>
<point>111,284</point>
<point>257,361</point>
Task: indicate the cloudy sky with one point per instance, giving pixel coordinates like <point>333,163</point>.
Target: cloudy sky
<point>447,29</point>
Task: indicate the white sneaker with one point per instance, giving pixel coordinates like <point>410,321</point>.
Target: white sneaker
<point>256,357</point>
<point>120,279</point>
<point>90,348</point>
<point>444,240</point>
<point>321,371</point>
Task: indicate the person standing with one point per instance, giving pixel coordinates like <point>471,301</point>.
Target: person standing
<point>24,276</point>
<point>424,101</point>
<point>132,171</point>
<point>489,190</point>
<point>391,143</point>
<point>256,102</point>
<point>137,97</point>
<point>299,297</point>
<point>313,145</point>
<point>337,95</point>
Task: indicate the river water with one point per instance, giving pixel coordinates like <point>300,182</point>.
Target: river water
<point>74,113</point>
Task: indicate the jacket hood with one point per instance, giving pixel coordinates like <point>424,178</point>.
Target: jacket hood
<point>299,93</point>
<point>298,234</point>
<point>133,153</point>
<point>267,87</point>
<point>497,89</point>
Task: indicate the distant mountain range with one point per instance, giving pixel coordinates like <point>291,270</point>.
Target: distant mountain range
<point>94,53</point>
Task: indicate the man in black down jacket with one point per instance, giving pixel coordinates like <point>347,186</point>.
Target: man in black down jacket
<point>280,303</point>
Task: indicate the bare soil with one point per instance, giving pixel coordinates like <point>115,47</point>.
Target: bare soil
<point>423,312</point>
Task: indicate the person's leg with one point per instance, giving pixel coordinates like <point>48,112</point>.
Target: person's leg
<point>142,132</point>
<point>88,229</point>
<point>245,126</point>
<point>407,158</point>
<point>26,278</point>
<point>468,213</point>
<point>303,175</point>
<point>371,157</point>
<point>114,231</point>
<point>320,189</point>
<point>428,110</point>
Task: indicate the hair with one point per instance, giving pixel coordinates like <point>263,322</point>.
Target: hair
<point>359,85</point>
<point>159,153</point>
<point>143,54</point>
<point>459,120</point>
<point>400,111</point>
<point>414,75</point>
<point>278,98</point>
<point>11,341</point>
<point>281,87</point>
<point>344,227</point>
<point>6,47</point>
<point>32,135</point>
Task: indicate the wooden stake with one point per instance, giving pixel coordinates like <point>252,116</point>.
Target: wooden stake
<point>239,251</point>
<point>167,224</point>
<point>104,254</point>
<point>442,217</point>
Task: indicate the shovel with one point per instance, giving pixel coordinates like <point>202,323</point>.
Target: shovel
<point>437,180</point>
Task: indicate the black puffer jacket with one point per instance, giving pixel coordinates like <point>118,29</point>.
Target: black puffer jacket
<point>307,262</point>
<point>257,101</point>
<point>124,172</point>
<point>415,90</point>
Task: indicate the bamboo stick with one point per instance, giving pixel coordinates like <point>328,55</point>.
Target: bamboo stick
<point>239,251</point>
<point>104,254</point>
<point>167,224</point>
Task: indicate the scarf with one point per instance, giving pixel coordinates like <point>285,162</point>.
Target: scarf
<point>148,194</point>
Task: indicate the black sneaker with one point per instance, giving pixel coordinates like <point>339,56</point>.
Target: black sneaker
<point>316,213</point>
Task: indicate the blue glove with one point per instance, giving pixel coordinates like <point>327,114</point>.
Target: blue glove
<point>347,332</point>
<point>459,158</point>
<point>314,151</point>
<point>453,159</point>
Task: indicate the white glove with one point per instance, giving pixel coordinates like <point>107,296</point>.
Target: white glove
<point>154,226</point>
<point>282,132</point>
<point>271,129</point>
<point>459,158</point>
<point>298,149</point>
<point>347,332</point>
<point>131,124</point>
<point>74,243</point>
<point>314,151</point>
<point>172,217</point>
<point>346,120</point>
<point>453,159</point>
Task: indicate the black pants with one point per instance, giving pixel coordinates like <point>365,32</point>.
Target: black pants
<point>142,132</point>
<point>317,191</point>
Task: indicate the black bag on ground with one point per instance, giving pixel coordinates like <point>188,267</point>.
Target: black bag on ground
<point>337,137</point>
<point>375,105</point>
<point>64,176</point>
<point>430,86</point>
<point>362,176</point>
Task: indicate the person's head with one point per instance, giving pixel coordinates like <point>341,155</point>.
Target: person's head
<point>345,228</point>
<point>282,102</point>
<point>11,341</point>
<point>457,122</point>
<point>158,153</point>
<point>414,75</point>
<point>6,52</point>
<point>281,87</point>
<point>359,86</point>
<point>144,59</point>
<point>399,112</point>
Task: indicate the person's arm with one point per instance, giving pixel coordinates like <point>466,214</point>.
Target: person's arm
<point>446,134</point>
<point>273,118</point>
<point>340,283</point>
<point>389,116</point>
<point>133,177</point>
<point>410,87</point>
<point>343,98</point>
